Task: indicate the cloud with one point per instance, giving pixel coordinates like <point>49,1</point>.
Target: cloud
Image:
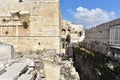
<point>92,17</point>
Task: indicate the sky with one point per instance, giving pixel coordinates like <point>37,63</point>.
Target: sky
<point>90,13</point>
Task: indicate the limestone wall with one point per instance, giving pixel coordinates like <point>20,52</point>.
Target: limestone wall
<point>76,32</point>
<point>43,24</point>
<point>6,51</point>
<point>98,38</point>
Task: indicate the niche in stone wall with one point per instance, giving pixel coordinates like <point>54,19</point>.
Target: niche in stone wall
<point>38,43</point>
<point>14,23</point>
<point>20,0</point>
<point>21,16</point>
<point>6,32</point>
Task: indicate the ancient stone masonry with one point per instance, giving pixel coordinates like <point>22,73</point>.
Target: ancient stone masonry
<point>68,72</point>
<point>71,33</point>
<point>37,65</point>
<point>30,24</point>
<point>6,51</point>
<point>34,29</point>
<point>99,38</point>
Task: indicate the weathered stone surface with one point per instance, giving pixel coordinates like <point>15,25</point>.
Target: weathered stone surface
<point>25,77</point>
<point>43,18</point>
<point>52,71</point>
<point>13,72</point>
<point>6,51</point>
<point>39,65</point>
<point>2,71</point>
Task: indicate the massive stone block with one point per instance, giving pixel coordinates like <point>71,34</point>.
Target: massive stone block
<point>98,38</point>
<point>50,72</point>
<point>13,72</point>
<point>43,20</point>
<point>6,51</point>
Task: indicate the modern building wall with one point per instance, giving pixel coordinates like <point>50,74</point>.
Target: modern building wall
<point>43,20</point>
<point>98,38</point>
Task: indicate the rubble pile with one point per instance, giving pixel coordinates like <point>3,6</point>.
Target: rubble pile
<point>68,71</point>
<point>37,65</point>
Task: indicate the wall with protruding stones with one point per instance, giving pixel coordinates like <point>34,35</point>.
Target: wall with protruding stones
<point>43,30</point>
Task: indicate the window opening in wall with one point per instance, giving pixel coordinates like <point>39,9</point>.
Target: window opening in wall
<point>68,38</point>
<point>115,35</point>
<point>20,0</point>
<point>80,34</point>
<point>68,30</point>
<point>25,25</point>
<point>4,20</point>
<point>63,40</point>
<point>63,45</point>
<point>39,43</point>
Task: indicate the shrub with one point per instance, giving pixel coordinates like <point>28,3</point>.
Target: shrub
<point>4,20</point>
<point>25,25</point>
<point>17,14</point>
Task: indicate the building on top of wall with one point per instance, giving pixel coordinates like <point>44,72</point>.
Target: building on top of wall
<point>104,38</point>
<point>77,33</point>
<point>71,33</point>
<point>30,24</point>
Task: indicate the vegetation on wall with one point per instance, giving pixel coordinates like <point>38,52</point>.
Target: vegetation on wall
<point>25,25</point>
<point>17,17</point>
<point>4,20</point>
<point>94,66</point>
<point>16,14</point>
<point>23,19</point>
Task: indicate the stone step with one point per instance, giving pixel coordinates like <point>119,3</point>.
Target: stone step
<point>26,77</point>
<point>13,72</point>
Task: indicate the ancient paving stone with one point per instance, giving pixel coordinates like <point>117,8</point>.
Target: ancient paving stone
<point>13,72</point>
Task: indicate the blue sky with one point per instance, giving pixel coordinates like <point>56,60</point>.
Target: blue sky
<point>90,12</point>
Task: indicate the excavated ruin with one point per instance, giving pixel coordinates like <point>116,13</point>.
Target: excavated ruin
<point>95,66</point>
<point>37,65</point>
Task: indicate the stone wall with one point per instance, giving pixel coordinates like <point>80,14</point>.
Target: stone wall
<point>98,38</point>
<point>6,51</point>
<point>43,30</point>
<point>76,32</point>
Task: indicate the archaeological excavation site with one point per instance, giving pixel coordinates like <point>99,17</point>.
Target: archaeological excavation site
<point>36,43</point>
